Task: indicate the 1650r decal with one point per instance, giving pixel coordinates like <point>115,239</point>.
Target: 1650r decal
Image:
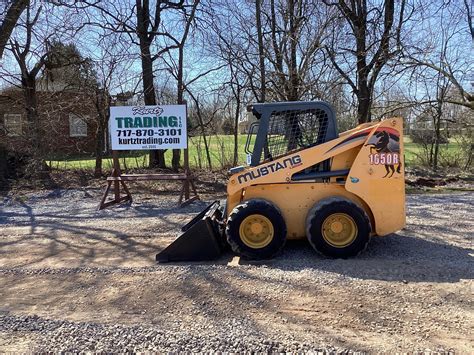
<point>384,159</point>
<point>385,150</point>
<point>290,163</point>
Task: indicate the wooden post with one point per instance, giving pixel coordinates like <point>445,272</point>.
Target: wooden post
<point>116,172</point>
<point>186,161</point>
<point>116,177</point>
<point>188,175</point>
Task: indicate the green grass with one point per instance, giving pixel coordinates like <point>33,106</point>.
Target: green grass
<point>414,150</point>
<point>221,151</point>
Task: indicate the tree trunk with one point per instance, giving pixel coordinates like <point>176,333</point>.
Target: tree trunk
<point>203,132</point>
<point>364,104</point>
<point>11,18</point>
<point>236,128</point>
<point>157,157</point>
<point>292,130</point>
<point>36,167</point>
<point>364,93</point>
<point>98,154</point>
<point>431,153</point>
<point>261,54</point>
<point>3,166</point>
<point>102,104</point>
<point>282,82</point>
<point>177,152</point>
<point>294,81</point>
<point>31,105</point>
<point>470,155</point>
<point>437,135</point>
<point>99,148</point>
<point>176,159</point>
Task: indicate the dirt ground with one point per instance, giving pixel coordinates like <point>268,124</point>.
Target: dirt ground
<point>66,269</point>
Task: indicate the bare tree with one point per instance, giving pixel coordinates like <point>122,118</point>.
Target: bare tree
<point>112,67</point>
<point>261,54</point>
<point>177,69</point>
<point>447,52</point>
<point>440,66</point>
<point>29,76</point>
<point>237,86</point>
<point>10,20</point>
<point>295,31</point>
<point>433,114</point>
<point>33,39</point>
<point>146,32</point>
<point>143,25</point>
<point>374,39</point>
<point>24,53</point>
<point>469,12</point>
<point>202,127</point>
<point>277,46</point>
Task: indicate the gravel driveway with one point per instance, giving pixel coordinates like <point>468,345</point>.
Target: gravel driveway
<point>74,279</point>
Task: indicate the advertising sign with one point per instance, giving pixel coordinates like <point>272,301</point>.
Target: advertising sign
<point>148,127</point>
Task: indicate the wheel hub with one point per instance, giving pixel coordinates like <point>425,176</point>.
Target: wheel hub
<point>337,227</point>
<point>339,230</point>
<point>256,231</point>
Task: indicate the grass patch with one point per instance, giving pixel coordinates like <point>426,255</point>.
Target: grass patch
<point>413,151</point>
<point>221,151</point>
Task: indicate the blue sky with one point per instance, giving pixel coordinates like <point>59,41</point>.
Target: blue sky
<point>423,30</point>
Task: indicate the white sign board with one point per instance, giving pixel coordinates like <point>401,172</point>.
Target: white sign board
<point>148,127</point>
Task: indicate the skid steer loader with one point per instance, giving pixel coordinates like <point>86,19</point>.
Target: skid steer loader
<point>304,180</point>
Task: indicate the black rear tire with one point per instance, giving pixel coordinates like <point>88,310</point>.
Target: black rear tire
<point>256,207</point>
<point>316,228</point>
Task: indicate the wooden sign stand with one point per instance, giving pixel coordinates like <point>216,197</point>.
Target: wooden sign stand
<point>119,179</point>
<point>116,175</point>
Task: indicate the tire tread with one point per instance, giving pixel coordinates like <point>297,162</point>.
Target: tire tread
<point>318,207</point>
<point>238,249</point>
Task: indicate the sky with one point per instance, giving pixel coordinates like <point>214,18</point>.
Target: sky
<point>423,30</point>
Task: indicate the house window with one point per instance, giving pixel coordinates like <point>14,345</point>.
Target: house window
<point>77,126</point>
<point>13,124</point>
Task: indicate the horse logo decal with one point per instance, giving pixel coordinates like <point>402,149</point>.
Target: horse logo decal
<point>385,150</point>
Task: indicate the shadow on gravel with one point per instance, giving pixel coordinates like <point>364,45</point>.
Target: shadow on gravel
<point>393,258</point>
<point>32,213</point>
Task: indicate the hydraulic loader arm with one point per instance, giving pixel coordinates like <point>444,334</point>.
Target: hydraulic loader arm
<point>282,169</point>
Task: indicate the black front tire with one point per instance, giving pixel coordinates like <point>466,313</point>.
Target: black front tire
<point>331,206</point>
<point>256,207</point>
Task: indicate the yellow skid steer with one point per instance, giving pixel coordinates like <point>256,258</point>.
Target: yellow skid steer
<point>304,180</point>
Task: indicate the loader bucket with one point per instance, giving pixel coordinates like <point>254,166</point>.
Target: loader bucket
<point>201,239</point>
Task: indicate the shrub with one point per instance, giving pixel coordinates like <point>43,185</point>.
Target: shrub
<point>427,136</point>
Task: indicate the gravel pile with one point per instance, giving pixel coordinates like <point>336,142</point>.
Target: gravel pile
<point>78,270</point>
<point>64,336</point>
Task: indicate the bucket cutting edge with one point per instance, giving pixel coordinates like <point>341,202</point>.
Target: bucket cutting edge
<point>201,239</point>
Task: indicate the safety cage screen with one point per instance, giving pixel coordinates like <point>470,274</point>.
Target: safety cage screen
<point>294,129</point>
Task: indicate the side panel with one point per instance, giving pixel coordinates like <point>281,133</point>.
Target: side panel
<point>296,199</point>
<point>377,176</point>
<point>232,201</point>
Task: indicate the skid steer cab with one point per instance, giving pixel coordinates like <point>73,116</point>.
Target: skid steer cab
<point>304,180</point>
